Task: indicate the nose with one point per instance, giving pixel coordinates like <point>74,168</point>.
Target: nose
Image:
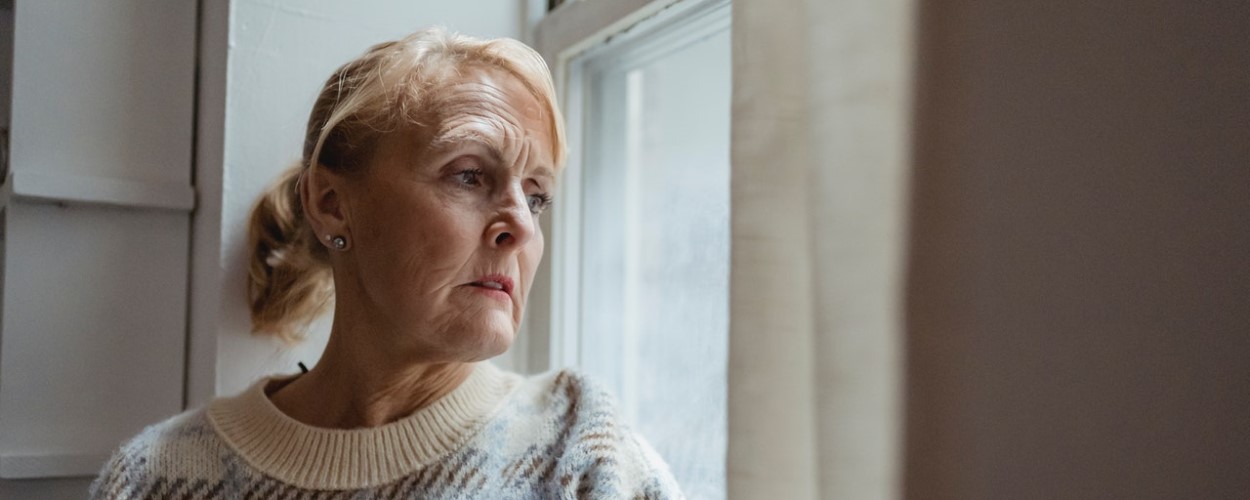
<point>513,225</point>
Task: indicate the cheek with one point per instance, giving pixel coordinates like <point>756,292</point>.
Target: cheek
<point>417,242</point>
<point>532,255</point>
<point>540,243</point>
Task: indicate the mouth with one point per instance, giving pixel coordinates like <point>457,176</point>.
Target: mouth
<point>495,282</point>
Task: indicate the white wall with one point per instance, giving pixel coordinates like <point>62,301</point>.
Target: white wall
<point>279,54</point>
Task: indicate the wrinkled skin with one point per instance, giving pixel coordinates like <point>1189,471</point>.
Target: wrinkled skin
<point>438,208</point>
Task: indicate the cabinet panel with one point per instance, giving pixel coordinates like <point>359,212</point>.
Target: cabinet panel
<point>93,332</point>
<point>104,89</point>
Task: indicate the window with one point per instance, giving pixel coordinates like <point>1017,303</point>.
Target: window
<point>642,277</point>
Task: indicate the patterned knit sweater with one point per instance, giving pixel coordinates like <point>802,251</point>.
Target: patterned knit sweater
<point>497,435</point>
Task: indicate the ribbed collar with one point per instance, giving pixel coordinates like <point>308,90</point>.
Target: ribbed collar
<point>320,458</point>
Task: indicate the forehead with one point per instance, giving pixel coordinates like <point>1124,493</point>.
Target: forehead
<point>482,106</point>
<point>488,102</point>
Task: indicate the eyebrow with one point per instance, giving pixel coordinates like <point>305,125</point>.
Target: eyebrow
<point>545,172</point>
<point>452,137</point>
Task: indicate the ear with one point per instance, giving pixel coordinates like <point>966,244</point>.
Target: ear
<point>322,194</point>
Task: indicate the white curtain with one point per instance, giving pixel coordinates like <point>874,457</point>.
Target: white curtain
<point>821,117</point>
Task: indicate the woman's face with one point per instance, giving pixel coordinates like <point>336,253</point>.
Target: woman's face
<point>444,221</point>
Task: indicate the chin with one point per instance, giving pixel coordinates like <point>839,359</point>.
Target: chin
<point>492,341</point>
<point>490,348</point>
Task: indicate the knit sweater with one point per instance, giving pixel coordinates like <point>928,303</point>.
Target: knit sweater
<point>497,435</point>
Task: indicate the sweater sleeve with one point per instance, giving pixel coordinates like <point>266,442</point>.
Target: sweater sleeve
<point>602,456</point>
<point>654,479</point>
<point>147,465</point>
<point>629,468</point>
<point>125,475</point>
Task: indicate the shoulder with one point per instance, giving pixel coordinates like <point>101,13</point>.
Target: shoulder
<point>599,454</point>
<point>181,448</point>
<point>568,394</point>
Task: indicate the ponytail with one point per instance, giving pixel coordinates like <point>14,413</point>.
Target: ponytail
<point>289,282</point>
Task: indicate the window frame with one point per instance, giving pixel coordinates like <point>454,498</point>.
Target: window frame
<point>607,29</point>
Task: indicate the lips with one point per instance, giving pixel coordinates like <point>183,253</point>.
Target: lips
<point>494,282</point>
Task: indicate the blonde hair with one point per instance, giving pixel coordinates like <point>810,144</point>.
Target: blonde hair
<point>289,277</point>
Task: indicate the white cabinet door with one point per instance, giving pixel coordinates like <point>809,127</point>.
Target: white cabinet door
<point>96,214</point>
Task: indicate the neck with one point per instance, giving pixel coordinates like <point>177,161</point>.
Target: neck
<point>353,387</point>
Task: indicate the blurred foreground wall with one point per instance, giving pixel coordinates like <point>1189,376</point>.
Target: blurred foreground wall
<point>1079,299</point>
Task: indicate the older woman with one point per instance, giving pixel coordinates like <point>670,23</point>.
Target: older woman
<point>414,211</point>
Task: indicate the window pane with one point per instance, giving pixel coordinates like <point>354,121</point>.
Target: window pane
<point>655,257</point>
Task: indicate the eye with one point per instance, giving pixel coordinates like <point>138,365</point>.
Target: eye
<point>539,202</point>
<point>470,177</point>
